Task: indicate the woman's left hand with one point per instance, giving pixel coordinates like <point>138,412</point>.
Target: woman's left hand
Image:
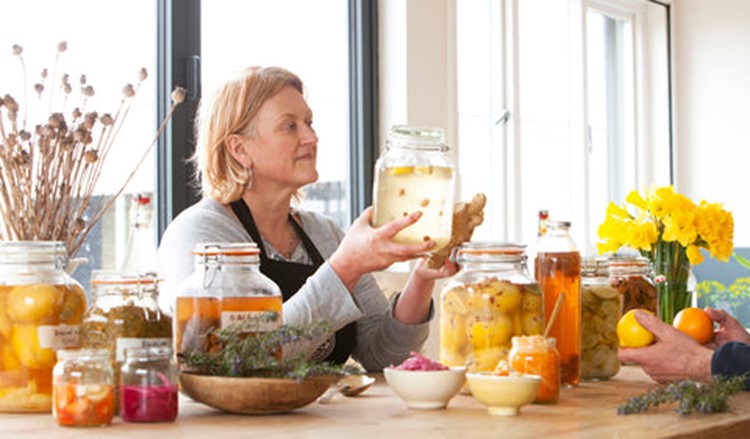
<point>413,305</point>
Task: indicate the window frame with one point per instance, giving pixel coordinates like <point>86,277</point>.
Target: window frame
<point>178,64</point>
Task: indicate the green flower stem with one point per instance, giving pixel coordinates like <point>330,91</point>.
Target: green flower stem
<point>671,261</point>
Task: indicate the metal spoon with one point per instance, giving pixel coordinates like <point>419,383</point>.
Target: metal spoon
<point>351,385</point>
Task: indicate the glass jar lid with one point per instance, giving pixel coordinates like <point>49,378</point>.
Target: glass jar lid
<point>597,266</point>
<point>105,282</point>
<point>630,265</point>
<point>491,252</point>
<point>402,136</point>
<point>33,252</point>
<point>226,253</point>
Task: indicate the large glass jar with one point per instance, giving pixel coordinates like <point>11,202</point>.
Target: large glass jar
<point>558,271</point>
<point>124,314</point>
<point>487,302</point>
<point>600,313</point>
<point>148,385</point>
<point>632,278</point>
<point>226,290</point>
<point>415,174</point>
<point>84,388</point>
<point>40,312</point>
<point>536,355</point>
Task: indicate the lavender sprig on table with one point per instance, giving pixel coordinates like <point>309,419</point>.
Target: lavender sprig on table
<point>689,395</point>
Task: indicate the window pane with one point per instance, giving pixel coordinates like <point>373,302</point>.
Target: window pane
<point>308,38</point>
<point>108,42</point>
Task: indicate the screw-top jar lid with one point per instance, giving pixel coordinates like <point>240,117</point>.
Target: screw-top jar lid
<point>25,252</point>
<point>597,266</point>
<point>417,137</point>
<point>491,252</point>
<point>226,249</point>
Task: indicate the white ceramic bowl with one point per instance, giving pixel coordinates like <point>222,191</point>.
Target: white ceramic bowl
<point>425,389</point>
<point>503,395</point>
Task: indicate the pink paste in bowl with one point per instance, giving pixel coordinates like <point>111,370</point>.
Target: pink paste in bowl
<point>419,362</point>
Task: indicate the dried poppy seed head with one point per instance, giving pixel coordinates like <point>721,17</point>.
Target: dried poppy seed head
<point>62,46</point>
<point>24,135</point>
<point>128,91</point>
<point>17,50</point>
<point>39,88</point>
<point>68,142</point>
<point>107,119</point>
<point>55,119</point>
<point>79,224</point>
<point>81,133</point>
<point>82,79</point>
<point>65,78</point>
<point>90,156</point>
<point>67,89</point>
<point>44,73</point>
<point>88,91</point>
<point>178,95</point>
<point>10,103</point>
<point>142,74</point>
<point>76,113</point>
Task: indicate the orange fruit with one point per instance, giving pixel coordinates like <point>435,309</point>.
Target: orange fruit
<point>631,334</point>
<point>695,323</point>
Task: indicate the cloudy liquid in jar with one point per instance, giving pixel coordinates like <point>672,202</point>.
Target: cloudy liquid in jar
<point>560,273</point>
<point>402,190</point>
<point>197,316</point>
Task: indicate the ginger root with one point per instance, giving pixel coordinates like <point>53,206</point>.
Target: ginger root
<point>466,216</point>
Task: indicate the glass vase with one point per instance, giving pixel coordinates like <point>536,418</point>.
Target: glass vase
<point>672,274</point>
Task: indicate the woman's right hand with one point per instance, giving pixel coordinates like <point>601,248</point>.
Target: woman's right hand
<point>365,249</point>
<point>729,329</point>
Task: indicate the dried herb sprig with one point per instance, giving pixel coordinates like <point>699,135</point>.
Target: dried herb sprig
<point>49,170</point>
<point>689,395</point>
<point>255,355</point>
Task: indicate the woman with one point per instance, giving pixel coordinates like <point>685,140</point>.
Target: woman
<point>256,149</point>
<point>676,356</point>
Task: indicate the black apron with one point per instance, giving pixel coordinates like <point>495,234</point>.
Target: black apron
<point>290,276</point>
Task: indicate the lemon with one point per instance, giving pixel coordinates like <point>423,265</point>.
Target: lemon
<point>401,170</point>
<point>631,334</point>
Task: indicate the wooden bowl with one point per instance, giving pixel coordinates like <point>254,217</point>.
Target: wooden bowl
<point>255,396</point>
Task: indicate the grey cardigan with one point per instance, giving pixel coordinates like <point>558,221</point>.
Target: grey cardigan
<point>381,340</point>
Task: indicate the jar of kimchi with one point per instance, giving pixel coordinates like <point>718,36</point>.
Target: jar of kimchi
<point>41,308</point>
<point>83,388</point>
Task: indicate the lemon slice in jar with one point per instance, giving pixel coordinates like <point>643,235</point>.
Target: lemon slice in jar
<point>401,170</point>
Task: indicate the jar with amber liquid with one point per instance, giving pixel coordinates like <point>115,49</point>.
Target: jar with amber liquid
<point>632,278</point>
<point>415,174</point>
<point>226,290</point>
<point>490,300</point>
<point>40,312</point>
<point>558,271</point>
<point>124,314</point>
<point>600,312</point>
<point>536,355</point>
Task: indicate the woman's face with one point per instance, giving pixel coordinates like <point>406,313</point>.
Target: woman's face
<point>283,147</point>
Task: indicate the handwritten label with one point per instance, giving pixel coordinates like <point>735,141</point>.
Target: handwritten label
<point>251,321</point>
<point>58,336</point>
<point>128,343</point>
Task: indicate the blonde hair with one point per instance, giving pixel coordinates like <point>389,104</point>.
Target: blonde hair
<point>232,110</point>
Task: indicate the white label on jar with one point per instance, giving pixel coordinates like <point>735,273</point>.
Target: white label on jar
<point>58,336</point>
<point>251,321</point>
<point>127,343</point>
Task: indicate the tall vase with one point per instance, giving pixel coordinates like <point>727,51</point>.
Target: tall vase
<point>672,270</point>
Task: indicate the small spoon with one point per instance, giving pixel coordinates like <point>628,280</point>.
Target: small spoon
<point>351,385</point>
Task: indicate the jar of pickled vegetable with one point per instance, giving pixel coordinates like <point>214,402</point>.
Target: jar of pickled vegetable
<point>83,388</point>
<point>40,311</point>
<point>148,385</point>
<point>226,290</point>
<point>600,312</point>
<point>536,355</point>
<point>487,302</point>
<point>124,314</point>
<point>415,174</point>
<point>633,279</point>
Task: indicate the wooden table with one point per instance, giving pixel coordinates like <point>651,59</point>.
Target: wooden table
<point>588,411</point>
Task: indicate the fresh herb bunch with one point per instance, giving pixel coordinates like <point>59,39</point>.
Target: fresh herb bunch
<point>689,395</point>
<point>243,355</point>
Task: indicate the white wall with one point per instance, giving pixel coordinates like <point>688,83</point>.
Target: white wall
<point>711,41</point>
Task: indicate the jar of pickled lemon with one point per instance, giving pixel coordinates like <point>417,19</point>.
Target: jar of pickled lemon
<point>490,300</point>
<point>40,312</point>
<point>415,174</point>
<point>226,290</point>
<point>84,388</point>
<point>600,312</point>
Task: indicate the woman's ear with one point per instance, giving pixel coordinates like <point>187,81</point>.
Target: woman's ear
<point>238,147</point>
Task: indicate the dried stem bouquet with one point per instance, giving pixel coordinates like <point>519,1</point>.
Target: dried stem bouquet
<point>49,170</point>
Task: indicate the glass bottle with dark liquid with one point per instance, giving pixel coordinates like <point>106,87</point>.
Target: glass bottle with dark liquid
<point>558,272</point>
